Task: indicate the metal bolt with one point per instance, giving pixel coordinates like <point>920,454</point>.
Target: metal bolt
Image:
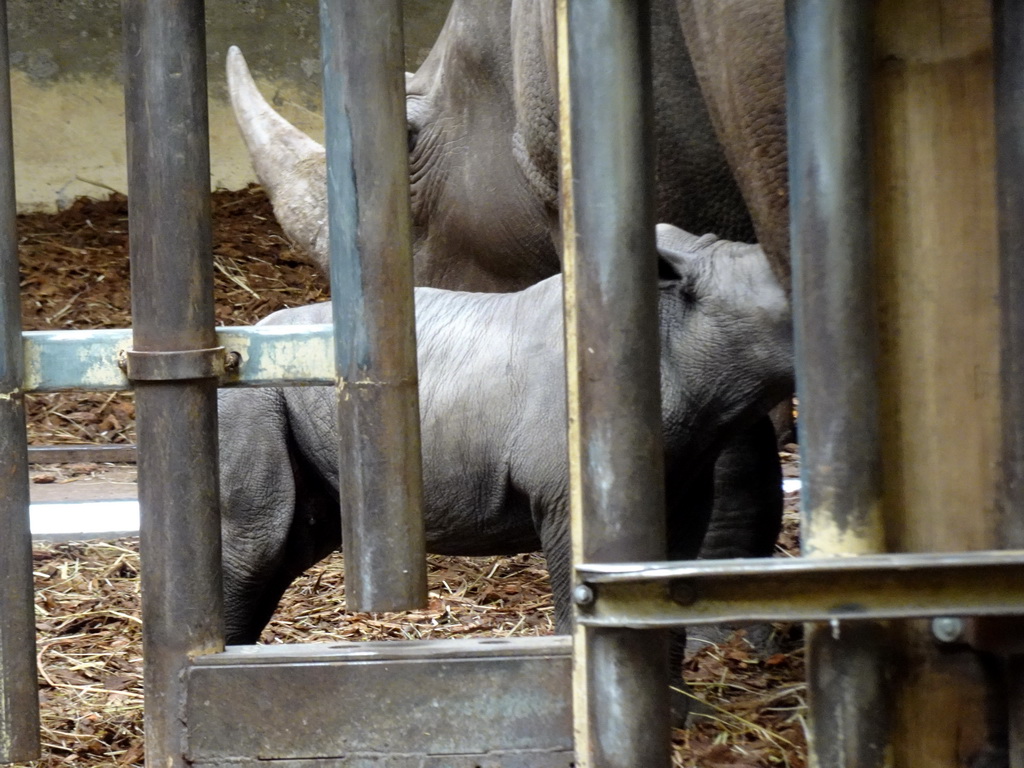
<point>948,629</point>
<point>232,361</point>
<point>583,595</point>
<point>122,359</point>
<point>682,593</point>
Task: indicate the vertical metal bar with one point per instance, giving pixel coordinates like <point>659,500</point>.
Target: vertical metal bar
<point>1009,95</point>
<point>19,698</point>
<point>837,357</point>
<point>371,284</point>
<point>172,308</point>
<point>615,438</point>
<point>1008,44</point>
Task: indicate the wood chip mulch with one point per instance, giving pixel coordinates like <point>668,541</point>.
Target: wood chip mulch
<point>75,275</point>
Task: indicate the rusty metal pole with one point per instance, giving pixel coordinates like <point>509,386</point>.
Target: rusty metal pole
<point>615,433</point>
<point>835,321</point>
<point>371,286</point>
<point>1008,37</point>
<point>19,697</point>
<point>172,309</point>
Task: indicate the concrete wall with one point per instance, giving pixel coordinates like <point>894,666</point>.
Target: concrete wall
<point>68,94</point>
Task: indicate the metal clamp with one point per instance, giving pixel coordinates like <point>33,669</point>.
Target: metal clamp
<point>182,365</point>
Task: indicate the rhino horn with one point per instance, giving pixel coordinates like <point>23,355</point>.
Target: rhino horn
<point>289,164</point>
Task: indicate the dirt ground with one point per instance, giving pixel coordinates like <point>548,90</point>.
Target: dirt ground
<point>75,275</point>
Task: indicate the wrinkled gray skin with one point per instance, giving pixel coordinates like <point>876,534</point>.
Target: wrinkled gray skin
<point>483,120</point>
<point>483,123</point>
<point>495,361</point>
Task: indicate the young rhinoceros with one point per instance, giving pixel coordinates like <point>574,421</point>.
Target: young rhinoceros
<point>492,404</point>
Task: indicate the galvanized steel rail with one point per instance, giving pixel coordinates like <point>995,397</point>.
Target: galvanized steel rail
<point>258,356</point>
<point>19,697</point>
<point>817,589</point>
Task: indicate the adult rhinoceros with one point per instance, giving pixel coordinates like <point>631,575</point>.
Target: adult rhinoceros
<point>482,118</point>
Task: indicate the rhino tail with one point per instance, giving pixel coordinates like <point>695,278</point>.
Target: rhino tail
<point>290,165</point>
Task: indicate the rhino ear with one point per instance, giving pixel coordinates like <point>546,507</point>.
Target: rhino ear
<point>678,251</point>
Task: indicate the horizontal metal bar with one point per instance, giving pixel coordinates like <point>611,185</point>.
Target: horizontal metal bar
<point>268,355</point>
<point>72,454</point>
<point>183,365</point>
<point>897,586</point>
<point>503,701</point>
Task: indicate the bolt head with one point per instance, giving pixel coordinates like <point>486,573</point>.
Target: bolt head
<point>583,595</point>
<point>682,593</point>
<point>948,629</point>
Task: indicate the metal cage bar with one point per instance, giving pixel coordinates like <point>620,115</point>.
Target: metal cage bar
<point>828,69</point>
<point>371,283</point>
<point>1009,47</point>
<point>19,697</point>
<point>1008,40</point>
<point>172,308</point>
<point>612,363</point>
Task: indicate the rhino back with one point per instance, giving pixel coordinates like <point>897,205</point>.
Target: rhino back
<point>492,410</point>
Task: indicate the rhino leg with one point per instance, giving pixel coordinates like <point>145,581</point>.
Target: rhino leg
<point>278,516</point>
<point>688,500</point>
<point>747,513</point>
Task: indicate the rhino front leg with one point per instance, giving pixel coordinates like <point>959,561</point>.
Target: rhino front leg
<point>276,517</point>
<point>746,515</point>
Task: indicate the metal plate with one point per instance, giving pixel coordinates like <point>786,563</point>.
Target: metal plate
<point>496,702</point>
<point>524,759</point>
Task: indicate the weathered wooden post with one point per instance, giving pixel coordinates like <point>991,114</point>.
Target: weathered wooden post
<point>937,252</point>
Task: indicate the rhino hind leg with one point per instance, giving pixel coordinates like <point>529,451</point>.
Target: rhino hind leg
<point>278,516</point>
<point>314,533</point>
